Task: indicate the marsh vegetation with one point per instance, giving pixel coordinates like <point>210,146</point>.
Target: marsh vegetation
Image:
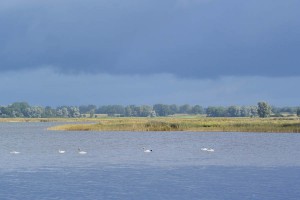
<point>289,125</point>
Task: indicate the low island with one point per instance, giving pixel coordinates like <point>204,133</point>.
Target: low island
<point>201,124</point>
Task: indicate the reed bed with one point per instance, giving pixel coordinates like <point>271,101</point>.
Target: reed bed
<point>276,125</point>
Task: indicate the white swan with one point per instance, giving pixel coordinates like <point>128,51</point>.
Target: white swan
<point>14,152</point>
<point>207,149</point>
<point>61,151</point>
<point>81,152</point>
<point>147,150</point>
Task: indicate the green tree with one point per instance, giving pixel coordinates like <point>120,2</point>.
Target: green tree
<point>185,109</point>
<point>153,113</point>
<point>6,112</point>
<point>173,109</point>
<point>213,111</point>
<point>264,109</point>
<point>62,111</point>
<point>111,110</point>
<point>162,110</point>
<point>49,112</point>
<point>65,111</point>
<point>197,110</point>
<point>34,112</point>
<point>298,112</point>
<point>74,112</point>
<point>92,113</point>
<point>128,111</point>
<point>234,111</point>
<point>83,109</point>
<point>18,109</point>
<point>145,111</point>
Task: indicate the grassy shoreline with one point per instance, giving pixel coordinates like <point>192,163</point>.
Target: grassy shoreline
<point>201,124</point>
<point>194,123</point>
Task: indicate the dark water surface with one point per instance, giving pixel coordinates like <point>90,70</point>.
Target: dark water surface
<point>243,165</point>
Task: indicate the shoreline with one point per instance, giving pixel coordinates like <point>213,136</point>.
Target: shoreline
<point>196,124</point>
<point>257,125</point>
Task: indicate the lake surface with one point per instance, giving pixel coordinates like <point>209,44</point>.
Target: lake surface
<point>243,165</point>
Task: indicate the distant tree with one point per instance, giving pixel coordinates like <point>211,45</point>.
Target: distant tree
<point>6,112</point>
<point>73,112</point>
<point>92,114</point>
<point>245,111</point>
<point>275,110</point>
<point>197,110</point>
<point>152,114</point>
<point>264,109</point>
<point>298,111</point>
<point>290,110</point>
<point>19,106</point>
<point>234,111</point>
<point>145,111</point>
<point>212,111</point>
<point>128,111</point>
<point>49,112</point>
<point>87,109</point>
<point>62,111</point>
<point>173,109</point>
<point>162,109</point>
<point>119,109</point>
<point>59,112</point>
<point>18,109</point>
<point>34,112</point>
<point>65,111</point>
<point>185,109</point>
<point>135,110</point>
<point>111,110</point>
<point>253,111</point>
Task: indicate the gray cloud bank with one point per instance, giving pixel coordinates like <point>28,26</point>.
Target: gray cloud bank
<point>45,87</point>
<point>199,39</point>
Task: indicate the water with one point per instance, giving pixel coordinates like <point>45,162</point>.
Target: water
<point>243,166</point>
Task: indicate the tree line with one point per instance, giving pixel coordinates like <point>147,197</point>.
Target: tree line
<point>262,109</point>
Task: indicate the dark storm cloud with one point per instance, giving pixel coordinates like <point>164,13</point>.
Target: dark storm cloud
<point>199,39</point>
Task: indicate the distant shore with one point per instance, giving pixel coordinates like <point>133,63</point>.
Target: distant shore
<point>200,124</point>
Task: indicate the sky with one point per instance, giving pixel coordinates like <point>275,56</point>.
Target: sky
<point>206,52</point>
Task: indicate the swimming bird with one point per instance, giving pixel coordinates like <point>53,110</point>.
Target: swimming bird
<point>14,152</point>
<point>61,151</point>
<point>81,152</point>
<point>207,149</point>
<point>147,150</point>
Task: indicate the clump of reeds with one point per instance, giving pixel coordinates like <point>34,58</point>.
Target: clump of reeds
<point>162,126</point>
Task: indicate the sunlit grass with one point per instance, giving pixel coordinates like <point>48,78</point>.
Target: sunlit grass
<point>289,125</point>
